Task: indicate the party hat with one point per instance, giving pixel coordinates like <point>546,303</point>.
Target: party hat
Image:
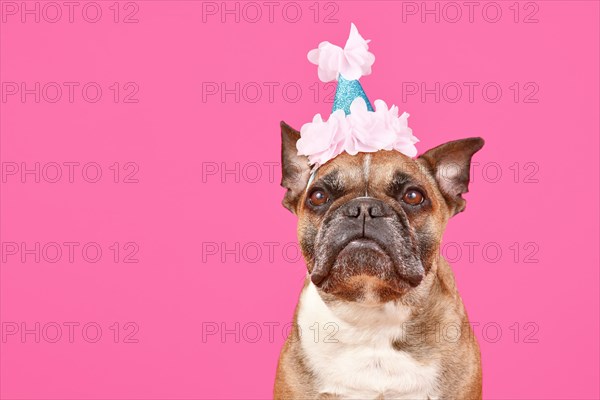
<point>354,125</point>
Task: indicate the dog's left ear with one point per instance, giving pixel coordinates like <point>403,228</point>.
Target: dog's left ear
<point>450,164</point>
<point>295,170</point>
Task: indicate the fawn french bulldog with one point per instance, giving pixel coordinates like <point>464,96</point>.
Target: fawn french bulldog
<point>379,316</point>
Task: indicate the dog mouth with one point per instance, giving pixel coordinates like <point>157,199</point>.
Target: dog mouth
<point>363,262</point>
<point>362,244</point>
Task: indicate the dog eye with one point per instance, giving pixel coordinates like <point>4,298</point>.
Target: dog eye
<point>318,198</point>
<point>413,197</point>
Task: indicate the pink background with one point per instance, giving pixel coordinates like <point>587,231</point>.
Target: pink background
<point>174,215</point>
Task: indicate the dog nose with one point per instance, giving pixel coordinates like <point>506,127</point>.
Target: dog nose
<point>365,207</point>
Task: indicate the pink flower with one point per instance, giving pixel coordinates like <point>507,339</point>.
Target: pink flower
<point>323,140</point>
<point>404,140</point>
<point>361,131</point>
<point>353,61</point>
<point>370,131</point>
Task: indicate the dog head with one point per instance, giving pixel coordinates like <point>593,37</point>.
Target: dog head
<point>370,225</point>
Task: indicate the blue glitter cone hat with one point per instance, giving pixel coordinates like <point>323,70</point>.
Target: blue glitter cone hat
<point>345,93</point>
<point>346,66</point>
<point>354,125</point>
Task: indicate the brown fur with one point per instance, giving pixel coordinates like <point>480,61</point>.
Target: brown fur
<point>435,302</point>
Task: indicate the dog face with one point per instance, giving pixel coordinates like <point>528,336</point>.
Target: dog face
<point>370,225</point>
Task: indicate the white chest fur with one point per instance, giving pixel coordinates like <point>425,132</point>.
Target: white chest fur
<point>349,350</point>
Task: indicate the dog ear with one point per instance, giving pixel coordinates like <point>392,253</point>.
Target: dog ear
<point>450,164</point>
<point>295,170</point>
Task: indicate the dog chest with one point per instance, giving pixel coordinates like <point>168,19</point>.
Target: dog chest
<point>351,354</point>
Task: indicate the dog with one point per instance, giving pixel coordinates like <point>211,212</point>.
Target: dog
<point>379,316</point>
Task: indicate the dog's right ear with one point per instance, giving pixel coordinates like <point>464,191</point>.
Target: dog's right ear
<point>450,164</point>
<point>295,170</point>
